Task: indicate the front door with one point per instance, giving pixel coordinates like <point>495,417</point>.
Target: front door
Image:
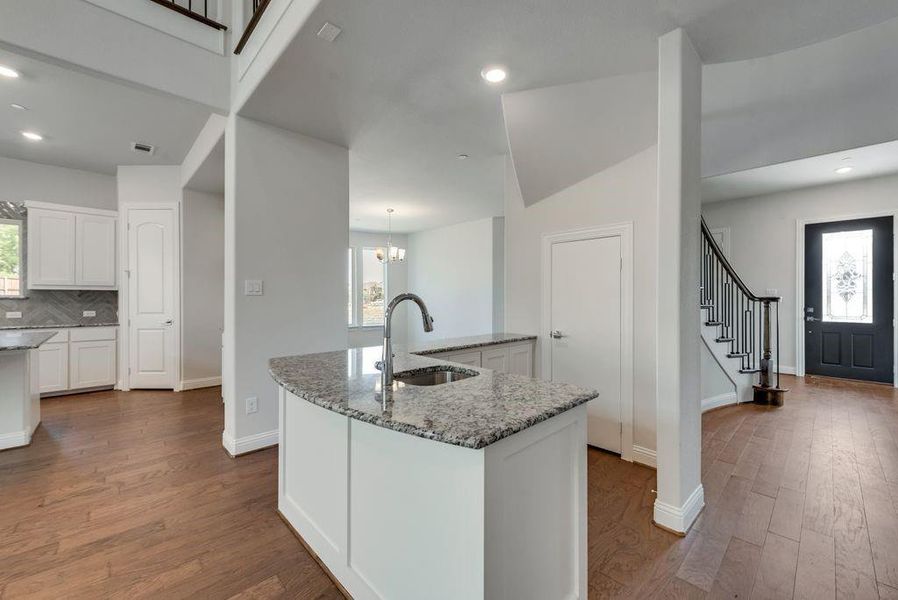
<point>152,239</point>
<point>586,329</point>
<point>849,301</point>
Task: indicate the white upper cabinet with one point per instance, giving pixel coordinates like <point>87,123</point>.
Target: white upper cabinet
<point>70,248</point>
<point>51,248</point>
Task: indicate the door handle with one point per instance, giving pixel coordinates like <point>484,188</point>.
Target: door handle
<point>810,319</point>
<point>168,323</point>
<point>557,335</point>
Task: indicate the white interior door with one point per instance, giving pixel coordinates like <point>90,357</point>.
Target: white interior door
<point>152,239</point>
<point>586,329</point>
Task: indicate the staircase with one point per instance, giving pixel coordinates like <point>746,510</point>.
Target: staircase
<point>740,328</point>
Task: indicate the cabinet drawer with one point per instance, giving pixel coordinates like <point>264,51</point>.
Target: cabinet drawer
<point>92,334</point>
<point>472,359</point>
<point>61,337</point>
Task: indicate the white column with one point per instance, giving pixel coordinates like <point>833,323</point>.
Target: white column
<point>680,496</point>
<point>287,225</point>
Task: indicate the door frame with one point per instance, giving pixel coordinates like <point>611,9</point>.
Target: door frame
<point>124,342</point>
<point>625,232</point>
<point>799,283</point>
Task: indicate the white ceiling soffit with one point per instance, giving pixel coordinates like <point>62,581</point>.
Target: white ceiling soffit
<point>401,88</point>
<point>871,161</point>
<point>837,94</point>
<point>564,134</point>
<point>210,176</point>
<point>90,122</point>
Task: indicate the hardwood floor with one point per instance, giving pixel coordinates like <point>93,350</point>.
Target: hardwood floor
<point>131,495</point>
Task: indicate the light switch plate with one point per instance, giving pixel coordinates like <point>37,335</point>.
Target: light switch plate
<point>773,292</point>
<point>252,405</point>
<point>253,287</point>
<point>89,313</point>
<point>13,315</point>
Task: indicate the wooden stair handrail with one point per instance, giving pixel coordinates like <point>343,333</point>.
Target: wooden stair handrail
<point>706,232</point>
<point>251,26</point>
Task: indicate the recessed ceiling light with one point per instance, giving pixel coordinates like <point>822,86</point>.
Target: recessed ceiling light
<point>8,72</point>
<point>462,157</point>
<point>844,170</point>
<point>494,74</point>
<point>18,106</point>
<point>30,135</point>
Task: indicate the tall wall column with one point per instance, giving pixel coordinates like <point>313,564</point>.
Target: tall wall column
<point>287,225</point>
<point>680,495</point>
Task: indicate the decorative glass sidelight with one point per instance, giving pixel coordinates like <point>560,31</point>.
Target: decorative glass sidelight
<point>848,276</point>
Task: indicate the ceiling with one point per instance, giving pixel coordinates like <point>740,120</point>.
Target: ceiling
<point>400,87</point>
<point>870,161</point>
<point>89,122</point>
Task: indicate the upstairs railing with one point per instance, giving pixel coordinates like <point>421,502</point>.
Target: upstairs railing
<point>258,8</point>
<point>198,10</point>
<point>748,323</point>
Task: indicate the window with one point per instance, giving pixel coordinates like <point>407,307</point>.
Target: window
<point>367,288</point>
<point>848,276</point>
<point>10,257</point>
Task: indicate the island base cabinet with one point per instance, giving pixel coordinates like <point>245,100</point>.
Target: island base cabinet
<point>399,517</point>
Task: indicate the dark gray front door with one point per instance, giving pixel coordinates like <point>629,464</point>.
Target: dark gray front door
<point>849,299</point>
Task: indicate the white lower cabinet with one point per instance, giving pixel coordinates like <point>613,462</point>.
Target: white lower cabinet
<point>53,368</point>
<point>92,364</point>
<point>514,358</point>
<point>78,359</point>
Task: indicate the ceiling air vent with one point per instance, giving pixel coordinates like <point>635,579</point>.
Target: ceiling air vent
<point>142,148</point>
<point>329,32</point>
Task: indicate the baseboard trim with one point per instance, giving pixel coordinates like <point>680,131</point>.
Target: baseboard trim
<point>718,401</point>
<point>202,382</point>
<point>679,519</point>
<point>16,439</point>
<point>250,443</point>
<point>645,456</point>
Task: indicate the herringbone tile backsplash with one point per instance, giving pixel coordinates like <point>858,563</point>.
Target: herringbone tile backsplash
<point>53,307</point>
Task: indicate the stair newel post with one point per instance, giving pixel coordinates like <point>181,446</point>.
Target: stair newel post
<point>766,365</point>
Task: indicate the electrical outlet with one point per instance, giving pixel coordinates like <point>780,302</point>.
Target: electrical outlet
<point>13,315</point>
<point>89,313</point>
<point>252,405</point>
<point>253,287</point>
<point>773,292</point>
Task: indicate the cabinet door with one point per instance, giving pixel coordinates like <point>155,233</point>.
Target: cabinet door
<point>51,248</point>
<point>495,359</point>
<point>92,364</point>
<point>472,359</point>
<point>520,360</point>
<point>53,367</point>
<point>95,250</point>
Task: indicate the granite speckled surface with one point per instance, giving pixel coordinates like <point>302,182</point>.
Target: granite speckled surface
<point>472,413</point>
<point>23,341</point>
<point>469,343</point>
<point>63,326</point>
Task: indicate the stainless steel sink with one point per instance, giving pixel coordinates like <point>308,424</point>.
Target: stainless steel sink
<point>433,377</point>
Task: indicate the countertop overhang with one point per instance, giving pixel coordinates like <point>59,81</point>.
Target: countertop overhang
<point>471,342</point>
<point>14,340</point>
<point>472,413</point>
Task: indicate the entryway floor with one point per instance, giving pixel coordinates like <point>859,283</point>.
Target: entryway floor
<point>131,495</point>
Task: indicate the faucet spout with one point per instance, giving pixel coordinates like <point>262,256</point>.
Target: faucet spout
<point>386,375</point>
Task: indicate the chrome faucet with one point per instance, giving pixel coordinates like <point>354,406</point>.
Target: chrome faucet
<point>386,364</point>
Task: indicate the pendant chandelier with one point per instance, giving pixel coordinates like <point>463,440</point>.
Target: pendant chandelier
<point>391,253</point>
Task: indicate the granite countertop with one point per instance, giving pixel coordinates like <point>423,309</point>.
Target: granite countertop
<point>472,413</point>
<point>467,343</point>
<point>23,341</point>
<point>57,326</point>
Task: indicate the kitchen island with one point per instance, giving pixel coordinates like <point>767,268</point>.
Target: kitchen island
<point>20,404</point>
<point>471,489</point>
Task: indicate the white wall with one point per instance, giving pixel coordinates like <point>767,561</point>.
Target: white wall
<point>715,383</point>
<point>452,269</point>
<point>397,282</point>
<point>149,184</point>
<point>286,216</point>
<point>22,180</point>
<point>625,192</point>
<point>771,220</point>
<point>202,286</point>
